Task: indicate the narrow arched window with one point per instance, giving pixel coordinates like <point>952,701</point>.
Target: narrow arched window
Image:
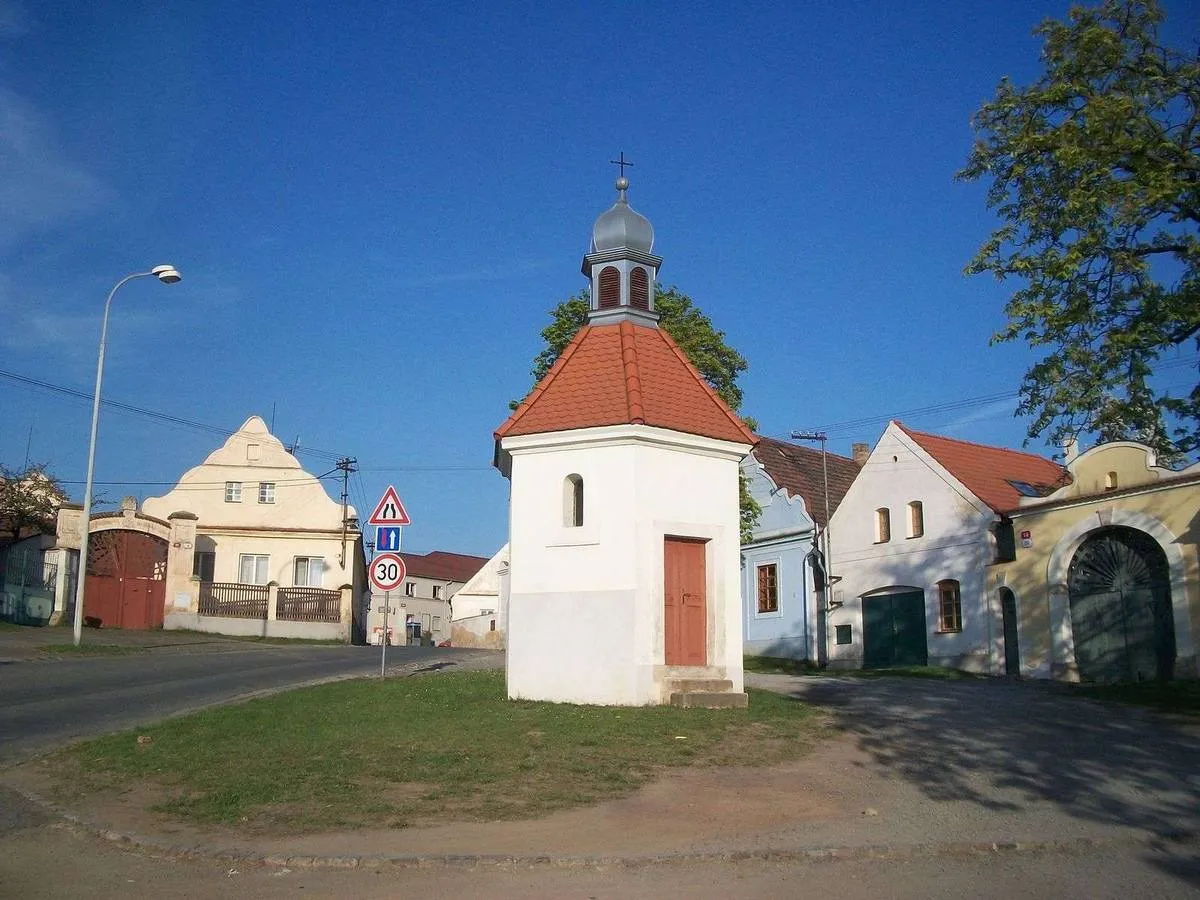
<point>916,519</point>
<point>883,525</point>
<point>639,289</point>
<point>610,287</point>
<point>1110,481</point>
<point>572,501</point>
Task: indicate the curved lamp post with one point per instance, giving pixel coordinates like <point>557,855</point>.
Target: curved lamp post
<point>167,275</point>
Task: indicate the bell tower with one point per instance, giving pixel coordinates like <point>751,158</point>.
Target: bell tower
<point>620,265</point>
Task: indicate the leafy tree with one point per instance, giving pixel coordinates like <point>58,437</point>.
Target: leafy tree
<point>1095,172</point>
<point>29,502</point>
<point>696,336</point>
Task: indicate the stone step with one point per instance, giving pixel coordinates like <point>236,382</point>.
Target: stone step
<point>701,685</point>
<point>709,700</point>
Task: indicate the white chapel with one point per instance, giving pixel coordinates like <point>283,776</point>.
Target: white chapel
<point>624,528</point>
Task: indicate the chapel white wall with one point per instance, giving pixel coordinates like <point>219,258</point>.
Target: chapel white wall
<point>585,617</point>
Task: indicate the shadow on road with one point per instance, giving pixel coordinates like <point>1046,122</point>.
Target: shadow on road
<point>1008,746</point>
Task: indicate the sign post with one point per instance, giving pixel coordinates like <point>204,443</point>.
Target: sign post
<point>387,570</point>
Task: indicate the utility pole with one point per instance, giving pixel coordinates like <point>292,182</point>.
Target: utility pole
<point>826,563</point>
<point>345,465</point>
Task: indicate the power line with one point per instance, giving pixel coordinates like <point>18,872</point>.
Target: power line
<point>955,405</point>
<point>141,411</point>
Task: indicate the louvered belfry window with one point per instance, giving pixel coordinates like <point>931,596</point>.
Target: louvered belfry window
<point>610,287</point>
<point>639,289</point>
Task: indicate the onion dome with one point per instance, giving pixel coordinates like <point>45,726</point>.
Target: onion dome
<point>622,228</point>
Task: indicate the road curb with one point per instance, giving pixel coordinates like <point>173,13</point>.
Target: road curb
<point>249,856</point>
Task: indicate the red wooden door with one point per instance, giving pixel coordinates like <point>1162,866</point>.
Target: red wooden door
<point>126,579</point>
<point>686,611</point>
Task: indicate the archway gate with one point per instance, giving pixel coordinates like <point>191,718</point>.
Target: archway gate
<point>126,579</point>
<point>1119,588</point>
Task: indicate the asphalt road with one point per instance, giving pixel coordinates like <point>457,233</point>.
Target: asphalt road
<point>46,703</point>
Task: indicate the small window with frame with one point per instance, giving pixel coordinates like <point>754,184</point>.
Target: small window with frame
<point>883,525</point>
<point>308,571</point>
<point>768,588</point>
<point>573,501</point>
<point>916,519</point>
<point>233,492</point>
<point>254,568</point>
<point>266,492</point>
<point>949,606</point>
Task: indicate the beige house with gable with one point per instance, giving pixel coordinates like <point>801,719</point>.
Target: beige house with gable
<point>247,543</point>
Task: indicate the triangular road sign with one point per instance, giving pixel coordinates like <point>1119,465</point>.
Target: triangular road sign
<point>389,510</point>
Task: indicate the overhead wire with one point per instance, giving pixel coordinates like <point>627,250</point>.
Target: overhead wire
<point>141,411</point>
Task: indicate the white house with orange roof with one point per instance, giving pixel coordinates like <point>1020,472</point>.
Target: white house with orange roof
<point>912,542</point>
<point>624,569</point>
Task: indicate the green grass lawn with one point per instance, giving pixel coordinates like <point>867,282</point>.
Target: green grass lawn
<point>445,747</point>
<point>1168,696</point>
<point>781,665</point>
<point>88,650</point>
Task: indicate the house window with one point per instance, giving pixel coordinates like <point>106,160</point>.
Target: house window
<point>266,492</point>
<point>437,592</point>
<point>437,624</point>
<point>1110,481</point>
<point>572,501</point>
<point>768,588</point>
<point>949,606</point>
<point>843,633</point>
<point>610,287</point>
<point>410,589</point>
<point>916,519</point>
<point>493,626</point>
<point>203,564</point>
<point>253,568</point>
<point>883,525</point>
<point>309,571</point>
<point>233,492</point>
<point>639,289</point>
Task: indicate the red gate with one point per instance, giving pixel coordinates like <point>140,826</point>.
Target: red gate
<point>126,580</point>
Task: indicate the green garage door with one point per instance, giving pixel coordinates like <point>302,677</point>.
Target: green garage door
<point>894,630</point>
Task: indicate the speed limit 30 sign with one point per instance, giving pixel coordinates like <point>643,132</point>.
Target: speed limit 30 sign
<point>387,571</point>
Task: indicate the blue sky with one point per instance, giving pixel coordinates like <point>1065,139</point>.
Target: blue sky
<point>374,206</point>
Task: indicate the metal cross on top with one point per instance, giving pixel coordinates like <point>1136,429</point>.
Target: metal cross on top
<point>622,162</point>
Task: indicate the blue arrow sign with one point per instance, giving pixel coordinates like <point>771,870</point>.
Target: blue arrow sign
<point>387,538</point>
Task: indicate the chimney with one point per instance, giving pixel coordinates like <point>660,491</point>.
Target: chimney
<point>860,452</point>
<point>1070,448</point>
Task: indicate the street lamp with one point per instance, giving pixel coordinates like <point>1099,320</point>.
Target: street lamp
<point>167,275</point>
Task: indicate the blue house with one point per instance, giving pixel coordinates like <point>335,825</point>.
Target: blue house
<point>782,603</point>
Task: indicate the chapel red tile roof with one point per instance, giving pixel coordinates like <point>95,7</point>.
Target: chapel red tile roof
<point>625,374</point>
<point>443,566</point>
<point>987,472</point>
<point>798,470</point>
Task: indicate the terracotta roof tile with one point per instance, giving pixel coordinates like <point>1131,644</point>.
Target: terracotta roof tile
<point>798,470</point>
<point>625,374</point>
<point>987,472</point>
<point>443,566</point>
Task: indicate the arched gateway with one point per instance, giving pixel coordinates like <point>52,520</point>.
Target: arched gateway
<point>1119,589</point>
<point>126,579</point>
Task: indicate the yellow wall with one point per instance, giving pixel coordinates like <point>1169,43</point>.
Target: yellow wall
<point>1165,505</point>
